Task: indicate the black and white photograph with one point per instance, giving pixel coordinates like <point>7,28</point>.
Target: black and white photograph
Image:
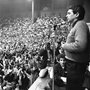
<point>44,44</point>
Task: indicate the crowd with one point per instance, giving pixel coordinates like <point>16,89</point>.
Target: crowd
<point>20,43</point>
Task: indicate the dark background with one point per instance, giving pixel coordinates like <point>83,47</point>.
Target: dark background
<point>16,8</point>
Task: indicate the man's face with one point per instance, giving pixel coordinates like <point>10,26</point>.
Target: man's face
<point>70,15</point>
<point>62,61</point>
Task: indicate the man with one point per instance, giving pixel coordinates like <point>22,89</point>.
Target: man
<point>76,48</point>
<point>45,56</point>
<point>59,72</point>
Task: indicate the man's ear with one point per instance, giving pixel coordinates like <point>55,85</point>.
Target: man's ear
<point>77,14</point>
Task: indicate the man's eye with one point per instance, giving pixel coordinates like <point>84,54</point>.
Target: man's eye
<point>68,12</point>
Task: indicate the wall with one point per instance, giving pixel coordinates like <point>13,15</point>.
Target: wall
<point>15,8</point>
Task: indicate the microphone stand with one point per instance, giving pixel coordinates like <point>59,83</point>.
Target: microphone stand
<point>54,57</point>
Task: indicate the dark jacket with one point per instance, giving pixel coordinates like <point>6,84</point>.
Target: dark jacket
<point>58,73</point>
<point>43,58</point>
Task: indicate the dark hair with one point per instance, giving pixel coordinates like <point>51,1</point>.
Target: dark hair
<point>48,45</point>
<point>78,9</point>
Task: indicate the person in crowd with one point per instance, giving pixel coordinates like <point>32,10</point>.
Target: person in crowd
<point>10,80</point>
<point>1,75</point>
<point>60,71</point>
<point>45,56</point>
<point>76,47</point>
<point>24,81</point>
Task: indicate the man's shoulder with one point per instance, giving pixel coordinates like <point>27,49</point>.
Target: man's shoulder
<point>58,66</point>
<point>81,22</point>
